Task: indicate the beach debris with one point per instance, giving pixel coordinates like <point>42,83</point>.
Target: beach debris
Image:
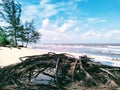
<point>62,68</point>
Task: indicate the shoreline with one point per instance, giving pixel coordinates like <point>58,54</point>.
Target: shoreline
<point>11,56</point>
<point>96,58</point>
<point>89,55</point>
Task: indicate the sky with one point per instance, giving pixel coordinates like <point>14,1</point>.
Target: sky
<point>74,21</point>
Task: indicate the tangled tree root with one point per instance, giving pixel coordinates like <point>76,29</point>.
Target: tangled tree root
<point>65,69</point>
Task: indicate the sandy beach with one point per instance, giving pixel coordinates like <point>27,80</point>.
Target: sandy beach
<point>11,55</point>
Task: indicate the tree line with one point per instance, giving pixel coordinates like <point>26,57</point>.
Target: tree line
<point>16,33</point>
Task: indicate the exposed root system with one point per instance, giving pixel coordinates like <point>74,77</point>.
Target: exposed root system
<point>62,68</point>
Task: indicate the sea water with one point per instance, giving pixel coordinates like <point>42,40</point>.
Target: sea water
<point>106,50</point>
<point>103,53</point>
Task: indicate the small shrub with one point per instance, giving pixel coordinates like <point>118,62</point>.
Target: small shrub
<point>3,40</point>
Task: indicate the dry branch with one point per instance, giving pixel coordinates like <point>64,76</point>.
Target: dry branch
<point>66,69</point>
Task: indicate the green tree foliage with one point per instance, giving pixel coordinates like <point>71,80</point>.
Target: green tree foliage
<point>3,38</point>
<point>11,14</point>
<point>17,32</point>
<point>30,34</point>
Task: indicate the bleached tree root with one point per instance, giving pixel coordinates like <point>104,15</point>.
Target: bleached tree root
<point>66,69</point>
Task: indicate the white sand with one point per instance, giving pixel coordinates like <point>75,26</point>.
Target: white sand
<point>11,56</point>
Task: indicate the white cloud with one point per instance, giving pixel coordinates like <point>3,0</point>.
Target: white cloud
<point>112,33</point>
<point>47,10</point>
<point>45,22</point>
<point>99,21</point>
<point>3,23</point>
<point>95,20</point>
<point>53,37</point>
<point>44,10</point>
<point>0,1</point>
<point>91,19</point>
<point>51,32</point>
<point>64,27</point>
<point>67,25</point>
<point>48,26</point>
<point>44,2</point>
<point>99,36</point>
<point>77,29</point>
<point>30,12</point>
<point>91,34</point>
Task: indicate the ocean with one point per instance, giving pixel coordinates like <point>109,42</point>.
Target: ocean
<point>106,50</point>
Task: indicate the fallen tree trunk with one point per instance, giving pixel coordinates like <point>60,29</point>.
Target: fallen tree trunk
<point>63,68</point>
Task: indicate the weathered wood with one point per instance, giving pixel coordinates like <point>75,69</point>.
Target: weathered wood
<point>88,76</point>
<point>73,71</point>
<point>66,69</point>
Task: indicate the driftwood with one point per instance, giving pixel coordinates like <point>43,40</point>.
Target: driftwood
<point>66,69</point>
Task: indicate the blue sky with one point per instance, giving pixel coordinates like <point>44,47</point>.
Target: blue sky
<point>74,21</point>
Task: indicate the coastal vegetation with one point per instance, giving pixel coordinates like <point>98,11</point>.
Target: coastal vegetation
<point>15,31</point>
<point>3,38</point>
